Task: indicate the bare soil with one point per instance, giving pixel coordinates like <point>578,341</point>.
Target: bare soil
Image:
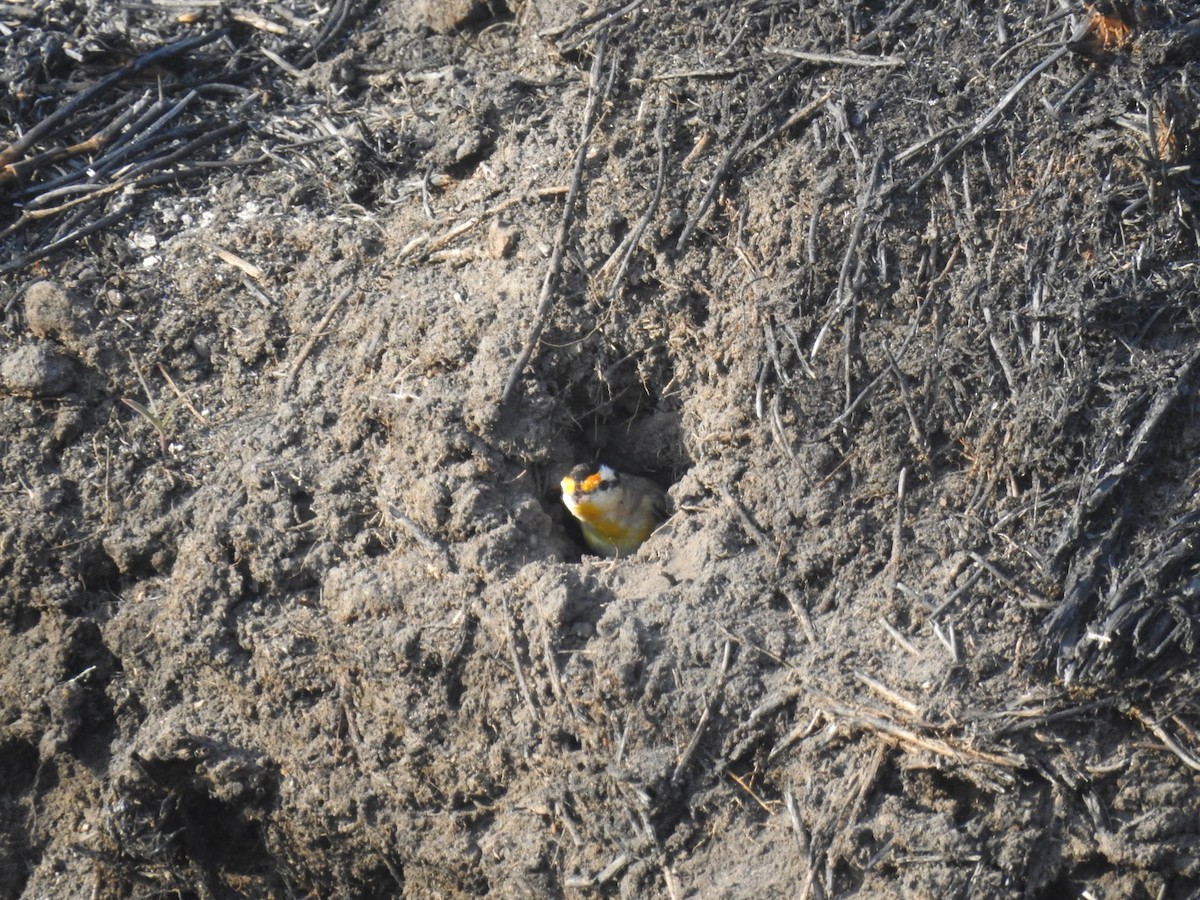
<point>898,299</point>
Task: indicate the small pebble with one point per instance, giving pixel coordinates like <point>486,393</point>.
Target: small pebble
<point>501,240</point>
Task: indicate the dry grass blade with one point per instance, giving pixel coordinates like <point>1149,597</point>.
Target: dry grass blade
<point>945,748</point>
<point>181,396</point>
<point>894,697</point>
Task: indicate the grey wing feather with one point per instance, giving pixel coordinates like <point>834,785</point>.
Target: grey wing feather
<point>657,495</point>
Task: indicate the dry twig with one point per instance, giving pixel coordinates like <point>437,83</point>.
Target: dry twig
<point>713,700</point>
<point>839,59</point>
<point>1185,756</point>
<point>17,148</point>
<point>564,228</point>
<point>285,386</point>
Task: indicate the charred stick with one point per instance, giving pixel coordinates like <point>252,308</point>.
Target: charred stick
<point>790,122</point>
<point>990,116</point>
<point>916,434</point>
<point>152,135</point>
<point>97,141</point>
<point>874,383</point>
<point>64,241</point>
<point>286,385</point>
<point>184,150</point>
<point>893,567</point>
<point>719,175</point>
<point>93,190</point>
<point>748,523</point>
<point>339,12</point>
<point>15,150</point>
<point>958,592</point>
<point>600,19</point>
<point>510,626</point>
<point>845,290</point>
<point>873,37</point>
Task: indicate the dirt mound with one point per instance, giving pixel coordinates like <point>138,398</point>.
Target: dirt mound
<point>307,313</point>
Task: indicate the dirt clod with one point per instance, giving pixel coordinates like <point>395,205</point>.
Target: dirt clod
<point>447,15</point>
<point>52,312</point>
<point>36,370</point>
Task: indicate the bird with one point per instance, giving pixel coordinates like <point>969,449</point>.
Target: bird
<point>617,512</point>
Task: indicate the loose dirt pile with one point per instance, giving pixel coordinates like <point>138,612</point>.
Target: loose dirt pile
<point>898,299</point>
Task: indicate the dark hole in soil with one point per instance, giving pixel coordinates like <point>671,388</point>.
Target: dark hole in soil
<point>302,501</point>
<point>210,833</point>
<point>567,741</point>
<point>18,767</point>
<point>20,618</point>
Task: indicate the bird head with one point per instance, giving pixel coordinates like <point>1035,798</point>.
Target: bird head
<point>591,490</point>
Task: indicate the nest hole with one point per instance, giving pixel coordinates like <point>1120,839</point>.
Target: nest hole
<point>649,445</point>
